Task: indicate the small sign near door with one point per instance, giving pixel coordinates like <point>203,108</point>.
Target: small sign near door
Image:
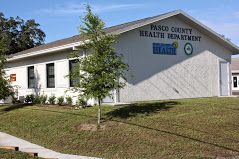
<point>13,77</point>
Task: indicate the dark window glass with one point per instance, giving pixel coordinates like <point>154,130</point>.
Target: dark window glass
<point>31,77</point>
<point>72,65</point>
<point>235,82</point>
<point>50,73</point>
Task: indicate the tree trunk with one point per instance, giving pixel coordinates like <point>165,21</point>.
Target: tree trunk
<point>99,113</point>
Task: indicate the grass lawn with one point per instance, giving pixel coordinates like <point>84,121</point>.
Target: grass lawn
<point>190,128</point>
<point>9,154</point>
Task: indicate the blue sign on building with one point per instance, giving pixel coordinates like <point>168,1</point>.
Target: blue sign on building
<point>165,49</point>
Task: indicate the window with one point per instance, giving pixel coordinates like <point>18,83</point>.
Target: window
<point>31,77</point>
<point>72,64</point>
<point>50,73</point>
<point>235,82</point>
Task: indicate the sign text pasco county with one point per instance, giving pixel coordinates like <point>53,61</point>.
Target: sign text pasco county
<point>174,33</point>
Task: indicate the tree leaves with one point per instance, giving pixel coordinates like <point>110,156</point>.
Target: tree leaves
<point>102,68</point>
<point>16,35</point>
<point>19,34</point>
<point>5,87</point>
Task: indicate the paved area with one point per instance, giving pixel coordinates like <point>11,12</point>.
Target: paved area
<point>25,146</point>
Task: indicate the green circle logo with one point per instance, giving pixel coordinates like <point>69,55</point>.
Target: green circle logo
<point>188,48</point>
<point>175,44</point>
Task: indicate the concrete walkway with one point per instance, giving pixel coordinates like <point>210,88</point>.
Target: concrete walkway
<point>25,146</point>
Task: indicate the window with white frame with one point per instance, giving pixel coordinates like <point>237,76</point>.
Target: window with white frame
<point>50,73</point>
<point>31,77</point>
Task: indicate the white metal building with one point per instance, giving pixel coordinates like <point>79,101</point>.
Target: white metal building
<point>170,56</point>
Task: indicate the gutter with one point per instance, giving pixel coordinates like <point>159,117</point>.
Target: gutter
<point>41,52</point>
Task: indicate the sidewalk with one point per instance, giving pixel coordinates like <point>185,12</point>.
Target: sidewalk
<point>25,146</point>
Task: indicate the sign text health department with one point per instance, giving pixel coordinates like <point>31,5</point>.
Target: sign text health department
<point>175,33</point>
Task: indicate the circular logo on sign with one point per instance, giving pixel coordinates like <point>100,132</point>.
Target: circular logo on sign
<point>188,48</point>
<point>175,44</point>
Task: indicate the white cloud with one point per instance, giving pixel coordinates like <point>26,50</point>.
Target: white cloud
<point>62,9</point>
<point>73,8</point>
<point>116,7</point>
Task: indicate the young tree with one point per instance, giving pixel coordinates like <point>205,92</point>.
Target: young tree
<point>5,87</point>
<point>101,69</point>
<point>19,34</point>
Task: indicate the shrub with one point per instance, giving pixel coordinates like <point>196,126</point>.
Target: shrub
<point>43,99</point>
<point>37,100</point>
<point>52,100</point>
<point>15,100</point>
<point>81,102</point>
<point>30,98</point>
<point>68,100</point>
<point>60,100</point>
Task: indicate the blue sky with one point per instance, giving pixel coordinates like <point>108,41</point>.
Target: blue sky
<point>61,18</point>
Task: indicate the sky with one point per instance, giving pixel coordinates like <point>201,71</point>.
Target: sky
<point>61,18</point>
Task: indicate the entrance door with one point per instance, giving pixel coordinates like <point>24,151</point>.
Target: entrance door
<point>224,87</point>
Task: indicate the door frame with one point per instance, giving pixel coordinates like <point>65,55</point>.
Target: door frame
<point>228,78</point>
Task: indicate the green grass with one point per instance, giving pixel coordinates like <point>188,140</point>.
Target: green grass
<point>10,154</point>
<point>190,128</point>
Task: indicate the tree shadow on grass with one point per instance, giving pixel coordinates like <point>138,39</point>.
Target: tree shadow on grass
<point>195,139</point>
<point>16,106</point>
<point>132,110</point>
